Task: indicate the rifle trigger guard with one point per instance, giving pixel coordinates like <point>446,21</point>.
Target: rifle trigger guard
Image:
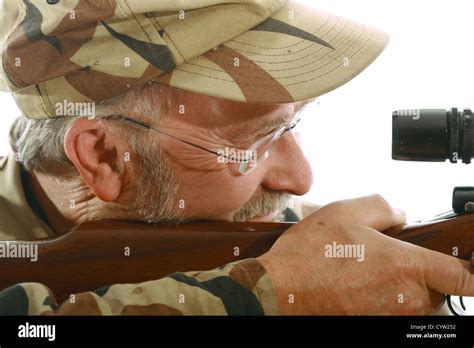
<point>454,308</point>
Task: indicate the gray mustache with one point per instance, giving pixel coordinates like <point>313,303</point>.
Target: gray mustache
<point>262,205</point>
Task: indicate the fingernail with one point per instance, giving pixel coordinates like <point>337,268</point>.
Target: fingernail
<point>400,212</point>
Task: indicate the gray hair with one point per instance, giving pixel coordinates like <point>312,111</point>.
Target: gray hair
<point>38,144</point>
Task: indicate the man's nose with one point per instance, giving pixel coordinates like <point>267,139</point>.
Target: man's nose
<point>288,170</point>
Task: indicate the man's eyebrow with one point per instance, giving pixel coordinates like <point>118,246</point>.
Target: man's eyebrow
<point>266,126</point>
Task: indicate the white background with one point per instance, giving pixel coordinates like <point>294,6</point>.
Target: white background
<point>428,64</point>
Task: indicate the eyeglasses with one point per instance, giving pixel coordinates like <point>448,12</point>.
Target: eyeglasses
<point>248,159</point>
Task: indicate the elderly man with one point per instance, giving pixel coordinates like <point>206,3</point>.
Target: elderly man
<point>178,111</point>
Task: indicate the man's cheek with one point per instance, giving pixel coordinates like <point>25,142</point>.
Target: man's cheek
<point>232,201</point>
<point>219,201</point>
<point>298,138</point>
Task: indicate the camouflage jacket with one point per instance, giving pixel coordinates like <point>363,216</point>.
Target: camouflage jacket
<point>238,288</point>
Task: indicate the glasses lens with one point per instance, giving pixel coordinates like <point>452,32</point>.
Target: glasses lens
<point>259,151</point>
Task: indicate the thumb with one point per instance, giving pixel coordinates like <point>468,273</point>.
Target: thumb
<point>448,275</point>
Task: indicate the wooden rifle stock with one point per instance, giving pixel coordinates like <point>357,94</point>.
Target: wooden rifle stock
<point>94,254</point>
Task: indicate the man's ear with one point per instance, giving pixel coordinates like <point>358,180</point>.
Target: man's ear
<point>93,150</point>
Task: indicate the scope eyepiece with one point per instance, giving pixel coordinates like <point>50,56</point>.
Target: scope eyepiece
<point>433,135</point>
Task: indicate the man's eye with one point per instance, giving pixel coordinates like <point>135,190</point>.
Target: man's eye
<point>245,141</point>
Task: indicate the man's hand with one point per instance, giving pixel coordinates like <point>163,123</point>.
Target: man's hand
<point>315,271</point>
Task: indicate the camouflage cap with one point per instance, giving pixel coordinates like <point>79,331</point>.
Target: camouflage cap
<point>263,51</point>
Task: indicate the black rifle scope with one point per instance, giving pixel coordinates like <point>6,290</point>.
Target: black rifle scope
<point>433,135</point>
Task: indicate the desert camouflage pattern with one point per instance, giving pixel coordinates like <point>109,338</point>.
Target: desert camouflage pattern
<point>266,51</point>
<point>238,288</point>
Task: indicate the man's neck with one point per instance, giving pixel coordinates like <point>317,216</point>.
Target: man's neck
<point>52,201</point>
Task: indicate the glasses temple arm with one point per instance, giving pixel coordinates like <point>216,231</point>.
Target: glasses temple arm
<point>147,127</point>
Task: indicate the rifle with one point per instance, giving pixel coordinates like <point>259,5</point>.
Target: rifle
<point>99,253</point>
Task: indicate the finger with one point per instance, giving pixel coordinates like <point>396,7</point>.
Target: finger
<point>447,274</point>
<point>372,211</point>
<point>436,302</point>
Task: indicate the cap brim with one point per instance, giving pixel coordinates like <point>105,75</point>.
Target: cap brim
<point>297,54</point>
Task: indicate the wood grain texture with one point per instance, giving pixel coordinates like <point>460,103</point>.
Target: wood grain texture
<point>92,255</point>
